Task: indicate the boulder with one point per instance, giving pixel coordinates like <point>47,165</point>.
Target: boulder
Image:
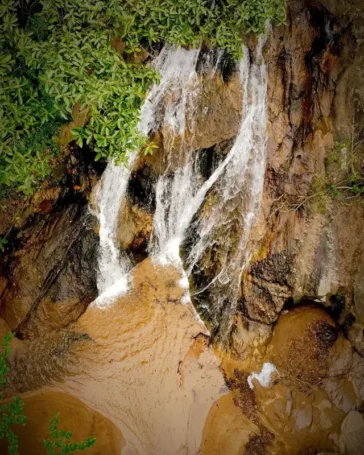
<point>53,277</point>
<point>352,434</point>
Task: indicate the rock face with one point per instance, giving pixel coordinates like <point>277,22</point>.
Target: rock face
<point>352,437</point>
<point>302,246</point>
<point>53,277</point>
<point>308,244</point>
<point>48,269</point>
<point>307,248</point>
<point>307,407</point>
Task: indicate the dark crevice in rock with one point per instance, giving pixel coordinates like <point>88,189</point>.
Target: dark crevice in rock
<point>337,306</point>
<point>210,158</point>
<point>141,188</point>
<point>325,333</point>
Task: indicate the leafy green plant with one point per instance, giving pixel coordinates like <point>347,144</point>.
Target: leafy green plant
<point>59,444</point>
<point>3,243</point>
<point>60,54</point>
<point>12,414</point>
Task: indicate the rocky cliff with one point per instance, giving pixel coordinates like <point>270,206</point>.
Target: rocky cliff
<point>302,290</point>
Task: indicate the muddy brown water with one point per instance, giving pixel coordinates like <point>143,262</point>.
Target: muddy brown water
<point>74,416</point>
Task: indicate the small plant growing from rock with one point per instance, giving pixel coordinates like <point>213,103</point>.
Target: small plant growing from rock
<point>12,414</point>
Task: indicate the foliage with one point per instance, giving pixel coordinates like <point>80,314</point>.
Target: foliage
<point>28,117</point>
<point>59,445</point>
<point>12,414</point>
<point>218,23</point>
<point>345,167</point>
<point>344,176</point>
<point>3,243</point>
<point>61,54</point>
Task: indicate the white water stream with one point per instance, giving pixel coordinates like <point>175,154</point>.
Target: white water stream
<point>236,182</point>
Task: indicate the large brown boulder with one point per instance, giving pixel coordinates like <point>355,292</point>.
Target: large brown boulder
<point>53,276</point>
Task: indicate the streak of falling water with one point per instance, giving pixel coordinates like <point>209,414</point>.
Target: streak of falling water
<point>236,195</point>
<point>113,263</point>
<point>178,81</point>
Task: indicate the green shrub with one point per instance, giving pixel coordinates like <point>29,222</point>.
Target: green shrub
<point>59,443</point>
<point>60,54</point>
<point>12,414</point>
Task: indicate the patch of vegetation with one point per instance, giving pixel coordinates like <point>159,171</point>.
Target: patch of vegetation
<point>345,172</point>
<point>56,53</point>
<point>59,443</point>
<point>3,243</point>
<point>343,179</point>
<point>12,414</point>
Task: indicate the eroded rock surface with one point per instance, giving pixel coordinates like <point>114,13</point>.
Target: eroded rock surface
<point>53,277</point>
<point>308,406</point>
<point>306,245</point>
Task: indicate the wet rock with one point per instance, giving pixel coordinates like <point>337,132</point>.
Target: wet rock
<point>53,278</point>
<point>352,434</point>
<point>134,229</point>
<point>219,112</point>
<point>356,337</point>
<point>359,291</point>
<point>141,187</point>
<point>227,429</point>
<point>259,444</point>
<point>267,288</point>
<point>217,115</point>
<point>247,335</point>
<point>306,68</point>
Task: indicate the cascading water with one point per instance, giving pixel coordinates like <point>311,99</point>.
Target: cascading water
<point>179,79</point>
<point>113,263</point>
<point>224,231</point>
<point>236,182</point>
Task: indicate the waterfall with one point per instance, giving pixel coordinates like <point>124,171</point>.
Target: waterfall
<point>237,185</point>
<point>236,195</point>
<point>179,81</point>
<point>236,182</point>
